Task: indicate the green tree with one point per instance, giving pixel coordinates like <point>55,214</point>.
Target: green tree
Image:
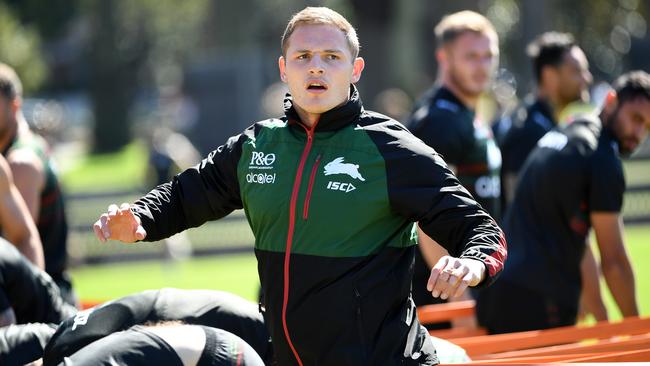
<point>115,58</point>
<point>20,47</point>
<point>48,18</point>
<point>132,45</point>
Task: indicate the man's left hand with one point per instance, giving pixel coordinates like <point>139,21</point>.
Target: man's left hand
<point>451,276</point>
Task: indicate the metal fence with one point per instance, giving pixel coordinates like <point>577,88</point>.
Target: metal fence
<point>228,235</point>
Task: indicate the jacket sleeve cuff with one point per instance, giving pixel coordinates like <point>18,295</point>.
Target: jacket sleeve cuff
<point>492,269</point>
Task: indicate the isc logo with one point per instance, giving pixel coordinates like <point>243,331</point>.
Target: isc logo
<point>343,187</point>
<point>261,159</point>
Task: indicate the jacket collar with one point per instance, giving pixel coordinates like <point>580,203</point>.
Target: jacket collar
<point>446,94</point>
<point>335,118</point>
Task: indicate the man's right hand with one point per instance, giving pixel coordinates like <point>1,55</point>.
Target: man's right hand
<point>119,223</point>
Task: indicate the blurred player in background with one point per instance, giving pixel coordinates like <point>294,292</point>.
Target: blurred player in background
<point>562,74</point>
<point>34,176</point>
<point>571,182</point>
<point>445,119</point>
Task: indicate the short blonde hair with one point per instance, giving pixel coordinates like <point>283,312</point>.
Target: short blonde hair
<point>453,25</point>
<point>10,85</point>
<point>321,15</point>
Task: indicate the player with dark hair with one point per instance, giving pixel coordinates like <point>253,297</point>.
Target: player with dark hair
<point>562,75</point>
<point>572,181</point>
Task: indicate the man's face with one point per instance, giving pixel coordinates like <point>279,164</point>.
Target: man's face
<point>470,61</point>
<point>631,123</point>
<point>573,77</point>
<point>318,68</point>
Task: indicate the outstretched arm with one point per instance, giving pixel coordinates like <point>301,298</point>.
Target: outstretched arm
<point>615,261</point>
<point>207,191</point>
<point>119,223</point>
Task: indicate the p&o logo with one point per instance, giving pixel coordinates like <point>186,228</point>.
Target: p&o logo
<point>260,160</point>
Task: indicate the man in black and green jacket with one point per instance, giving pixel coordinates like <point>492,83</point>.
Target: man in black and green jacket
<point>331,192</point>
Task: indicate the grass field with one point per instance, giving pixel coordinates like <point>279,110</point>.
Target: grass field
<point>232,273</point>
<point>122,170</point>
<point>637,239</point>
<point>238,274</point>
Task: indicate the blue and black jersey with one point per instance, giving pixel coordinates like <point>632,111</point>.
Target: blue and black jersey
<point>528,125</point>
<point>443,122</point>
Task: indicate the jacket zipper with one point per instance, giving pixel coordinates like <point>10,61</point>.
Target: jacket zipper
<point>360,327</point>
<point>292,219</point>
<point>314,169</point>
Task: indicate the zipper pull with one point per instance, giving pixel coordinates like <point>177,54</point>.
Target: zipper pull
<point>312,176</point>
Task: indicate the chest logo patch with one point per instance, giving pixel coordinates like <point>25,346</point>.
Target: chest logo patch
<point>337,166</point>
